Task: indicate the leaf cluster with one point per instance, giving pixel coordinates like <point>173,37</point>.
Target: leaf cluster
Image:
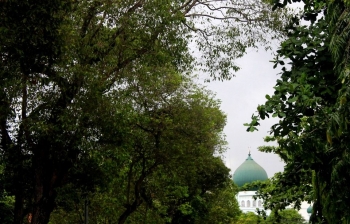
<point>312,132</point>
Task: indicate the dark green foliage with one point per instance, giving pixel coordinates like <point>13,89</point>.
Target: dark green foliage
<point>6,209</point>
<point>287,216</point>
<point>89,83</point>
<point>311,101</point>
<point>6,201</point>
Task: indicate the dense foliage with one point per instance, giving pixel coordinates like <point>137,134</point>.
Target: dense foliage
<point>96,94</point>
<point>171,204</point>
<point>287,216</point>
<point>311,100</point>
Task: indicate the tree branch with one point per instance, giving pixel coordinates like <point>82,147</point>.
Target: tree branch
<point>218,18</point>
<point>89,16</point>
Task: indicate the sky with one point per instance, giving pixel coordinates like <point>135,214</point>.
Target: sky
<point>239,99</point>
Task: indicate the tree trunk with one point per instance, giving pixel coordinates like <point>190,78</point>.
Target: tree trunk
<point>46,179</point>
<point>18,211</point>
<point>16,166</point>
<point>130,209</point>
<point>42,210</point>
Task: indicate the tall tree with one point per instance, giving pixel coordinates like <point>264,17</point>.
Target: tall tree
<point>310,99</point>
<point>168,165</point>
<point>64,61</point>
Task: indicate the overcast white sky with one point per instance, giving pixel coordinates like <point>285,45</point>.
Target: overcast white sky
<point>240,97</point>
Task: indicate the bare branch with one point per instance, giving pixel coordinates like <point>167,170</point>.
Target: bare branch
<point>190,7</point>
<point>217,18</point>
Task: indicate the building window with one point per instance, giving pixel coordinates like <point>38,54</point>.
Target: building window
<point>259,203</point>
<point>242,204</point>
<point>248,203</point>
<point>254,203</point>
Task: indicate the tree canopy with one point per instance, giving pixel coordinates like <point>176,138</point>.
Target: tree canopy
<point>88,83</point>
<point>311,101</point>
<point>286,216</point>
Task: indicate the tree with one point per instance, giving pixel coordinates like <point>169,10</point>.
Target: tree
<point>249,218</point>
<point>285,216</point>
<point>222,206</point>
<point>169,121</point>
<point>168,131</point>
<point>64,62</point>
<point>312,131</point>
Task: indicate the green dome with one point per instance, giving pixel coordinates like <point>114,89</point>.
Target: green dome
<point>248,172</point>
<point>309,209</point>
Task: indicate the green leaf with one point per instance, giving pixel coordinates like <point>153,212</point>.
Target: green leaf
<point>281,114</point>
<point>293,99</point>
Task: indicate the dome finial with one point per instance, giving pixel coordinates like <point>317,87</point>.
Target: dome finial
<point>249,151</point>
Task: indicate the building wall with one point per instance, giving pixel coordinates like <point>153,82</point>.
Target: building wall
<point>248,204</point>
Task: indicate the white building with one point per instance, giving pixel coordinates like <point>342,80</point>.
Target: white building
<point>248,172</point>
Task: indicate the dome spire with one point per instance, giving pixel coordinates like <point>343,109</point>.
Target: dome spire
<point>249,155</point>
